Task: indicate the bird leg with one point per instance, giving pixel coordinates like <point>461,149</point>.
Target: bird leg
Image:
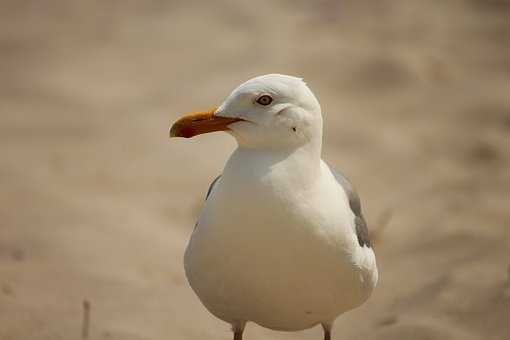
<point>238,335</point>
<point>238,330</point>
<point>327,331</point>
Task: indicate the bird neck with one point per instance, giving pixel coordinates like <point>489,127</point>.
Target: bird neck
<point>300,165</point>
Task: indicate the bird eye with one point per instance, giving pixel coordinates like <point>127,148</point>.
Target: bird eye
<point>264,100</point>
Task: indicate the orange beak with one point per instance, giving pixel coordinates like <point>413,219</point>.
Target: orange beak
<point>198,123</point>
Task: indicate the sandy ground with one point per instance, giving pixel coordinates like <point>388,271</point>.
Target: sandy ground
<point>97,203</point>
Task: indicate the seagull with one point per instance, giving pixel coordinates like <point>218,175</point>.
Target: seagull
<point>281,240</point>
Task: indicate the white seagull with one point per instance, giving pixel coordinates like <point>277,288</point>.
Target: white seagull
<point>281,240</point>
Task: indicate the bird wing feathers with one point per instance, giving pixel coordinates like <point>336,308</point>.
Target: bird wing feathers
<point>211,187</point>
<point>355,204</point>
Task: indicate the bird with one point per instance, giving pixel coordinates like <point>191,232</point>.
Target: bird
<point>281,240</point>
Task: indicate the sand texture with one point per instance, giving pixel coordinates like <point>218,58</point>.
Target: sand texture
<point>97,204</point>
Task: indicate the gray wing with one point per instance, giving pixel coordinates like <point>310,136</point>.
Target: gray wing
<point>355,204</point>
<point>211,187</point>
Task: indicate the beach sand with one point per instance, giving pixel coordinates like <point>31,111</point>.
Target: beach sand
<point>97,203</point>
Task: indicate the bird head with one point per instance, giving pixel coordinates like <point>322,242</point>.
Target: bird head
<point>269,111</point>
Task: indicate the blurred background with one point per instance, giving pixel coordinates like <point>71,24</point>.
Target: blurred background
<point>97,204</point>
